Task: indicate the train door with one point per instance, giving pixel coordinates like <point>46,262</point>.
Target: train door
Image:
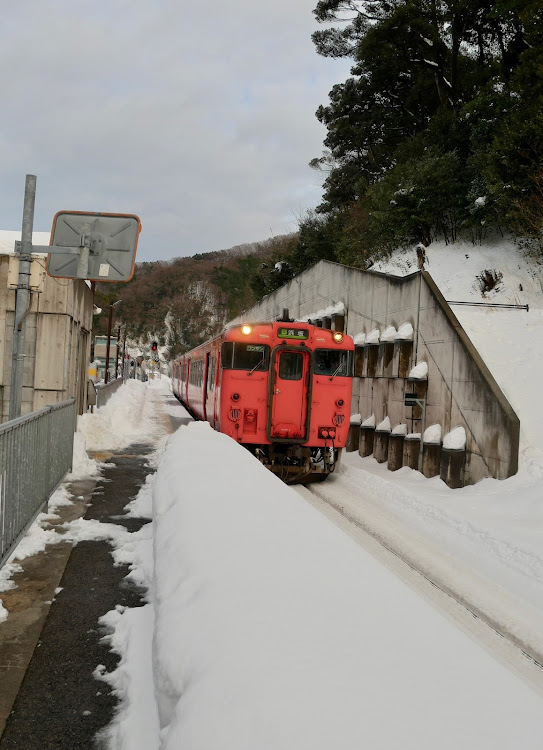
<point>187,382</point>
<point>289,394</point>
<point>206,383</point>
<point>217,386</point>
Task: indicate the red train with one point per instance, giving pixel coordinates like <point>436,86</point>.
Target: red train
<point>281,389</point>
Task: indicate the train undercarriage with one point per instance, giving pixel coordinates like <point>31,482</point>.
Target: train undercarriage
<point>297,464</point>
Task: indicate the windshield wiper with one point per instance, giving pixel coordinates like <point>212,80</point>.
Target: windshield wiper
<point>257,365</point>
<point>338,369</point>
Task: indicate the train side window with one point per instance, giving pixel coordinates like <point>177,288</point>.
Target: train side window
<point>290,366</point>
<point>333,362</point>
<point>238,356</point>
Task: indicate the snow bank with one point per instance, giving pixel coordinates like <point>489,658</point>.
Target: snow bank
<point>389,334</point>
<point>419,372</point>
<point>384,426</point>
<point>369,422</point>
<point>373,336</point>
<point>35,540</point>
<point>7,571</point>
<point>432,434</point>
<point>405,333</point>
<point>327,312</point>
<point>136,723</point>
<point>455,439</point>
<point>279,632</point>
<point>355,419</point>
<point>121,421</point>
<point>400,429</point>
<point>83,466</point>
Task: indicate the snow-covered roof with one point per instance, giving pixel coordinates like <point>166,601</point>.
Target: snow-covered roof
<point>8,239</point>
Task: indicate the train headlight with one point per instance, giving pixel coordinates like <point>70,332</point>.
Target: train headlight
<point>246,330</point>
<point>338,337</point>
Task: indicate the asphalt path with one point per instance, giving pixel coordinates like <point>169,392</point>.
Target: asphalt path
<point>60,704</point>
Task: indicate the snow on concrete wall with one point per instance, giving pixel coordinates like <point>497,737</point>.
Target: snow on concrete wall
<point>460,390</point>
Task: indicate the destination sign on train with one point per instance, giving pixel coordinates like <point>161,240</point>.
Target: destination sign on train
<point>292,333</point>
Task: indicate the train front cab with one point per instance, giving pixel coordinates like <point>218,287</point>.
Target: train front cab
<point>286,396</point>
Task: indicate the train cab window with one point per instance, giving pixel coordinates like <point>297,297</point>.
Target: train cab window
<point>290,365</point>
<point>238,356</point>
<point>333,362</point>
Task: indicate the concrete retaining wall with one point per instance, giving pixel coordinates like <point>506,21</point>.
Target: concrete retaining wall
<point>460,389</point>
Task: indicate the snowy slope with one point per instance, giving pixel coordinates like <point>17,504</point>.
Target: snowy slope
<point>509,340</point>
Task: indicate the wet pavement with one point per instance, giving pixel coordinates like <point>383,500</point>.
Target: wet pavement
<point>60,704</point>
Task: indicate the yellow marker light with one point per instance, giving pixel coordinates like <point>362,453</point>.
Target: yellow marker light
<point>246,330</point>
<point>338,337</point>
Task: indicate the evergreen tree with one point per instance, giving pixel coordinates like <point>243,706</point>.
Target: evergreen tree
<point>440,125</point>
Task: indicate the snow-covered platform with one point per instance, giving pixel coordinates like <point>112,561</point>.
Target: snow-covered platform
<point>267,626</point>
<point>274,629</point>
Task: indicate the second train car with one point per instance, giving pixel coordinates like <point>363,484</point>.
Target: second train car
<point>281,389</point>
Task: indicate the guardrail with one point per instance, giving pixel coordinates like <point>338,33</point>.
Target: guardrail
<point>104,391</point>
<point>35,454</point>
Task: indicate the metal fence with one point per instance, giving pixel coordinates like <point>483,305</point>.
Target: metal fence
<point>105,391</point>
<point>35,454</point>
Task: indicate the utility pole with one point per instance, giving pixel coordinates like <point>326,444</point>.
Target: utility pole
<point>109,325</point>
<point>118,351</point>
<point>22,303</point>
<point>124,355</point>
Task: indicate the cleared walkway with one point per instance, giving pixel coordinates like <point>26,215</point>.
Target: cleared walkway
<point>60,703</point>
<point>50,644</point>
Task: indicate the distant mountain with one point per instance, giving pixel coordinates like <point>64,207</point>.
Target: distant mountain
<point>182,302</point>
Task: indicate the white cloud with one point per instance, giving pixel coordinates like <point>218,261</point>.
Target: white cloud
<point>200,119</point>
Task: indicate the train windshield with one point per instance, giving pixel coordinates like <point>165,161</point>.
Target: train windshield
<point>335,362</point>
<point>238,356</point>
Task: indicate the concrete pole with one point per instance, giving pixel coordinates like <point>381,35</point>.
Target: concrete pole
<point>124,355</point>
<point>23,298</point>
<point>117,352</point>
<point>109,326</point>
<point>106,376</point>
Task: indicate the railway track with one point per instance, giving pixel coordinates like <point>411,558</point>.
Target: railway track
<point>485,616</point>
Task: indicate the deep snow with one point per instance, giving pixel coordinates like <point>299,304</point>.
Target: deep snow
<point>270,627</point>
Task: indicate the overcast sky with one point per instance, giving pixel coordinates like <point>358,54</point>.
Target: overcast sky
<point>199,117</point>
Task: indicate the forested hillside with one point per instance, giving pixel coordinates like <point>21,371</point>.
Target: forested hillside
<point>182,302</point>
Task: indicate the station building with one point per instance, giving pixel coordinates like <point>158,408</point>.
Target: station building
<point>58,332</point>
